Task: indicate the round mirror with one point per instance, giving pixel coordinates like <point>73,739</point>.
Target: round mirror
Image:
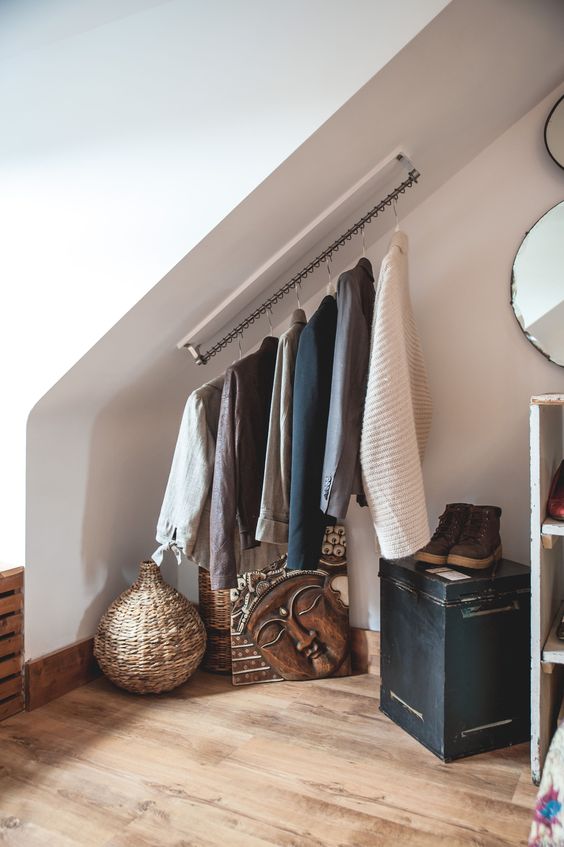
<point>554,133</point>
<point>537,285</point>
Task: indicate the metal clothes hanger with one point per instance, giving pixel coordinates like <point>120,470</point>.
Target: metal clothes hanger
<point>330,287</point>
<point>298,314</point>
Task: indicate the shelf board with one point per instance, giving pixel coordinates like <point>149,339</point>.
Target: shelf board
<point>552,527</point>
<point>548,400</point>
<point>553,651</point>
<point>550,530</point>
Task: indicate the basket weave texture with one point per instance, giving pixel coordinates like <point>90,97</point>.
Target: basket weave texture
<point>215,609</point>
<point>151,639</point>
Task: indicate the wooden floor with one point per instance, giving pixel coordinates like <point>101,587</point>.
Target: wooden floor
<point>303,764</point>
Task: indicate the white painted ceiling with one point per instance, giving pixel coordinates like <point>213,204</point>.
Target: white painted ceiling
<point>32,24</point>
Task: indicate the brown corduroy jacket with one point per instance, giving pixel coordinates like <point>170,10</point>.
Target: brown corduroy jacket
<point>239,459</point>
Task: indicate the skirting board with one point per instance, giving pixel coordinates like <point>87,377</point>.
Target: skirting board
<point>57,673</point>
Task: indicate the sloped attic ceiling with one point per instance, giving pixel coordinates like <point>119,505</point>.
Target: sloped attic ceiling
<point>433,100</point>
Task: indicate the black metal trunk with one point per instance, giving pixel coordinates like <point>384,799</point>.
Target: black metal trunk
<point>455,656</point>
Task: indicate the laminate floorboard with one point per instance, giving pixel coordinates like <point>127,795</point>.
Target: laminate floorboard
<point>310,764</point>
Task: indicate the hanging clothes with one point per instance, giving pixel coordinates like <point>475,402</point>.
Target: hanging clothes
<point>185,513</point>
<point>239,459</point>
<point>184,521</point>
<point>312,391</point>
<point>275,503</point>
<point>341,465</point>
<point>397,414</point>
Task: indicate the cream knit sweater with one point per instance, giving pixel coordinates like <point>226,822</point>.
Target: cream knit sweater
<point>397,414</point>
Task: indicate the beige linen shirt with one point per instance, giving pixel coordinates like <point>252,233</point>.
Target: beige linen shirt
<point>184,521</point>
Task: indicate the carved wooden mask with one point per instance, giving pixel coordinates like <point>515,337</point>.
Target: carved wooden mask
<point>293,624</point>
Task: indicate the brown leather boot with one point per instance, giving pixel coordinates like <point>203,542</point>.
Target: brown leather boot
<point>451,523</point>
<point>479,544</point>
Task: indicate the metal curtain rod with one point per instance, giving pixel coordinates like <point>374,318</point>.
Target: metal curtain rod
<point>237,331</point>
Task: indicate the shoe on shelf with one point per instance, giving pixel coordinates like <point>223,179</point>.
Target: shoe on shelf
<point>555,506</point>
<point>479,545</point>
<point>447,533</point>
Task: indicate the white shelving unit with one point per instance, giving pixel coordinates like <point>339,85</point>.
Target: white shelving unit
<point>547,576</point>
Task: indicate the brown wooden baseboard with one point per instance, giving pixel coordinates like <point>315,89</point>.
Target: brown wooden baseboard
<point>365,650</point>
<point>11,642</point>
<point>56,673</point>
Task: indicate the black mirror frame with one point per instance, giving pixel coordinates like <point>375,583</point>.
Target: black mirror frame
<point>550,114</point>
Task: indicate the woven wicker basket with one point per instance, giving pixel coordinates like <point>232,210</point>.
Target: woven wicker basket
<point>215,609</point>
<point>151,639</point>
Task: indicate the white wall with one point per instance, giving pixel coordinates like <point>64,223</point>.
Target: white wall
<point>129,130</point>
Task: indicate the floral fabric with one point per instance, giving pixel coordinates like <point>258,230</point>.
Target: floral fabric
<point>547,829</point>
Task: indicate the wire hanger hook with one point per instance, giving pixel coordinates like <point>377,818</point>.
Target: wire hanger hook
<point>298,289</point>
<point>269,312</point>
<point>363,241</point>
<point>240,340</point>
<point>395,205</point>
<point>330,286</point>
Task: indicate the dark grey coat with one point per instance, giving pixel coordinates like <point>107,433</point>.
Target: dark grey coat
<point>341,465</point>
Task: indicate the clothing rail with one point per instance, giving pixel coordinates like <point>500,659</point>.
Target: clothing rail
<point>325,256</point>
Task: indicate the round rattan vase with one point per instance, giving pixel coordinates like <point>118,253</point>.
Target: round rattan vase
<point>151,639</point>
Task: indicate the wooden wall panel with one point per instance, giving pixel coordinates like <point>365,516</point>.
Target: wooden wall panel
<point>10,687</point>
<point>11,642</point>
<point>11,624</point>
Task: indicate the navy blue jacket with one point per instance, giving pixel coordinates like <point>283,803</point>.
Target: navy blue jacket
<point>312,393</point>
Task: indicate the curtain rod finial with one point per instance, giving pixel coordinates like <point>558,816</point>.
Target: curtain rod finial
<point>194,350</point>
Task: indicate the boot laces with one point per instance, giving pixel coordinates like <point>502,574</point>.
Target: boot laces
<point>476,526</point>
<point>448,526</point>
